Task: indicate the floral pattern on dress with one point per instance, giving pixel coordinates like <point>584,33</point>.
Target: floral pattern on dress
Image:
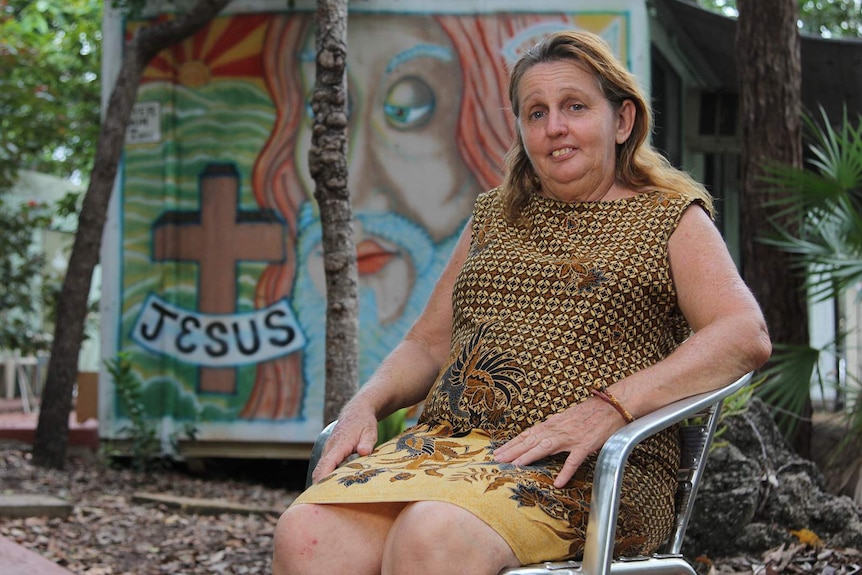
<point>477,386</point>
<point>484,237</point>
<point>580,275</point>
<point>429,452</point>
<point>665,198</point>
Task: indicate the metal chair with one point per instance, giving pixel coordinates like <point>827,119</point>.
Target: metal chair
<point>698,416</point>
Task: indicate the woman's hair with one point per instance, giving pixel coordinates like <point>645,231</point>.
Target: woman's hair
<point>639,165</point>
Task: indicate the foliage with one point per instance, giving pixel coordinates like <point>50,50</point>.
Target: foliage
<point>146,447</point>
<point>49,120</point>
<point>391,426</point>
<point>788,385</point>
<point>50,57</point>
<point>831,18</point>
<point>733,406</point>
<point>28,301</point>
<point>145,444</point>
<point>20,266</point>
<point>818,220</point>
<point>827,18</point>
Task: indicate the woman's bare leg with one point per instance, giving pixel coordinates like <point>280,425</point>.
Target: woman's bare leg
<point>338,538</point>
<point>434,537</point>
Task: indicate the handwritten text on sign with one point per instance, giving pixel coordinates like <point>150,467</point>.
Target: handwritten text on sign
<point>217,340</point>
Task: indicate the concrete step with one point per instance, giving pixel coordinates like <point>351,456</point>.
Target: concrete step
<point>33,505</point>
<point>202,506</point>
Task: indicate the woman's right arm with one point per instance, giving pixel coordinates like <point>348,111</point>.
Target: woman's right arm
<point>404,376</point>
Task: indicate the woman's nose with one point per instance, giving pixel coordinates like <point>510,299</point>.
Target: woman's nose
<point>556,125</point>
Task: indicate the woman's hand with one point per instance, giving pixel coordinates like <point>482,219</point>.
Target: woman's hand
<point>579,430</point>
<point>355,432</point>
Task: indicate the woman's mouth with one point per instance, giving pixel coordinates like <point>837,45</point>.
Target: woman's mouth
<point>561,152</point>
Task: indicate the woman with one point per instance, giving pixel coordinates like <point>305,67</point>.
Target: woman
<point>590,289</point>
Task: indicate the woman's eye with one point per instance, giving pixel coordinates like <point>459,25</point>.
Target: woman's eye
<point>576,107</point>
<point>409,104</point>
<point>537,115</point>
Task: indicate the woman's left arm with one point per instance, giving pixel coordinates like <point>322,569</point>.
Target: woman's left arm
<point>729,339</point>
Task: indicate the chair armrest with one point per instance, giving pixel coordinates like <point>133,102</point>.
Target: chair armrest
<point>607,481</point>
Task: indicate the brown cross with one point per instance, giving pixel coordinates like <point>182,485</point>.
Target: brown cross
<point>217,238</point>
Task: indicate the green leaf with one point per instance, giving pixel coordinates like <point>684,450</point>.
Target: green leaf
<point>788,383</point>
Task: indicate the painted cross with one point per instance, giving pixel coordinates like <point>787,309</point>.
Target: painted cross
<point>217,238</point>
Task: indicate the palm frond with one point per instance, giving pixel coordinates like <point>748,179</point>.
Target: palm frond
<point>787,386</point>
<point>835,168</point>
<point>837,153</point>
<point>795,190</point>
<point>815,217</point>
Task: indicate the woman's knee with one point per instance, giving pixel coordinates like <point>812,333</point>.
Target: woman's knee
<point>427,522</point>
<point>292,540</point>
<point>312,538</point>
<point>430,535</point>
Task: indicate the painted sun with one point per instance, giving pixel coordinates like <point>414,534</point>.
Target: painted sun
<point>229,47</point>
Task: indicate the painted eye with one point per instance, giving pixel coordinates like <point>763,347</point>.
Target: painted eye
<point>410,103</point>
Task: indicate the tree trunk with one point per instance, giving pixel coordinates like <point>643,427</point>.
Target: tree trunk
<point>770,78</point>
<point>52,432</point>
<point>327,160</point>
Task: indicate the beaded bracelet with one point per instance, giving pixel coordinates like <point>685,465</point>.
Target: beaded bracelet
<point>614,402</point>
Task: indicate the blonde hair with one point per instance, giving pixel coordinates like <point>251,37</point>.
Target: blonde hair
<point>639,166</point>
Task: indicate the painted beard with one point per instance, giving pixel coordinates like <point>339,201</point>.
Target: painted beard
<point>376,338</point>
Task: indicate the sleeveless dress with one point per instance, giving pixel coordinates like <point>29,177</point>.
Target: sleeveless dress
<point>576,295</point>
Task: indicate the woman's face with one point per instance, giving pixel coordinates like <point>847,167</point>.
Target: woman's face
<point>405,90</point>
<point>570,130</point>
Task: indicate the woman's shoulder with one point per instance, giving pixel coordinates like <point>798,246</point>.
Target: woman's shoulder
<point>488,202</point>
<point>677,200</point>
<point>490,196</point>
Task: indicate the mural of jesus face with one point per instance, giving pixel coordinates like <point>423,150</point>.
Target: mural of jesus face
<point>404,90</point>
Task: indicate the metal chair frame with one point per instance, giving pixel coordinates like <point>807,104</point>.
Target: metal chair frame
<point>695,441</point>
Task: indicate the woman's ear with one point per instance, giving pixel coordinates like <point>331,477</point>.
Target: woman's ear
<point>625,120</point>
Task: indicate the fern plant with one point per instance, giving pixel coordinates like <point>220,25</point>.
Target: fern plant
<point>141,432</point>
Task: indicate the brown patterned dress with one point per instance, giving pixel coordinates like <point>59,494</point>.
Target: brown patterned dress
<point>576,296</point>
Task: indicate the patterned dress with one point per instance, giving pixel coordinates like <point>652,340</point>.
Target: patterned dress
<point>575,296</point>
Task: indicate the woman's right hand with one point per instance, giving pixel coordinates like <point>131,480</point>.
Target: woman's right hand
<point>355,432</point>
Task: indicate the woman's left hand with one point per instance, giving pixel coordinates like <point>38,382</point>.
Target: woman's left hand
<point>579,430</point>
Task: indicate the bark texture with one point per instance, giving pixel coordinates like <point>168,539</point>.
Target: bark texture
<point>770,77</point>
<point>52,432</point>
<point>327,160</point>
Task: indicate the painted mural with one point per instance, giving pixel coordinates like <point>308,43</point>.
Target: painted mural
<point>220,292</point>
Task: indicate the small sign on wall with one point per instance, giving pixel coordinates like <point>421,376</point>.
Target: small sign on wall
<point>145,124</point>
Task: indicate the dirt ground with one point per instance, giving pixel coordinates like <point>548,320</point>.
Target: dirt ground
<point>110,533</point>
